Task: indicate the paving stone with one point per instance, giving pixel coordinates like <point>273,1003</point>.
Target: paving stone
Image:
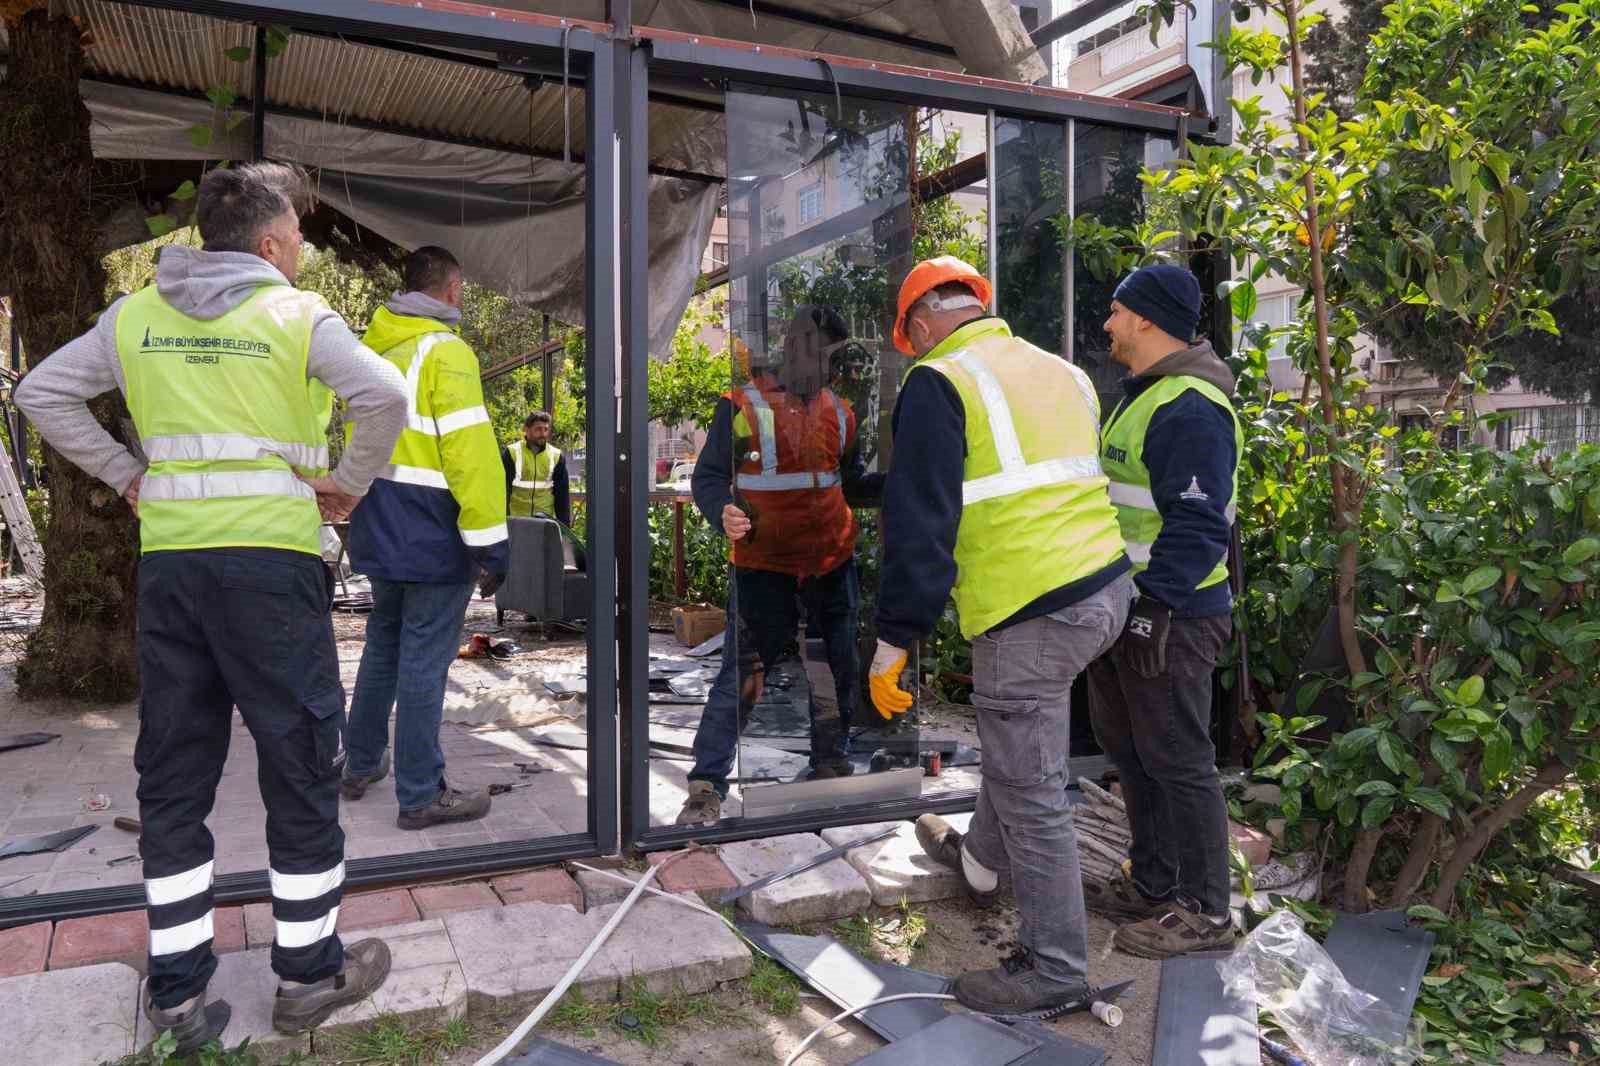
<point>515,954</point>
<point>832,890</point>
<point>120,937</point>
<point>895,867</point>
<point>700,872</point>
<point>259,928</point>
<point>227,930</point>
<point>600,888</point>
<point>24,949</point>
<point>104,998</point>
<point>426,984</point>
<point>369,910</point>
<point>434,900</point>
<point>552,885</point>
<point>245,979</point>
<point>1254,844</point>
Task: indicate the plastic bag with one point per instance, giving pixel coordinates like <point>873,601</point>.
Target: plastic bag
<point>1284,971</point>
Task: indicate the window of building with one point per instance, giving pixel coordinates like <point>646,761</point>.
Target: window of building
<point>809,204</point>
<point>1557,427</point>
<point>719,253</point>
<point>1277,311</point>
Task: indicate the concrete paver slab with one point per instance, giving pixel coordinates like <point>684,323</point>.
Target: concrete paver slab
<point>832,890</point>
<point>245,979</point>
<point>120,937</point>
<point>434,900</point>
<point>539,886</point>
<point>24,949</point>
<point>425,985</point>
<point>700,872</point>
<point>102,998</point>
<point>368,910</point>
<point>895,867</point>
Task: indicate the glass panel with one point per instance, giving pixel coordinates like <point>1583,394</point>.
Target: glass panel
<point>1107,162</point>
<point>819,214</point>
<point>1030,158</point>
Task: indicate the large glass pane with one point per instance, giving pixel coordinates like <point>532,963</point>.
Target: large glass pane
<point>819,212</point>
<point>1030,158</point>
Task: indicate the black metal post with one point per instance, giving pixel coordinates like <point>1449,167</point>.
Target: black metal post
<point>546,384</point>
<point>258,98</point>
<point>603,292</point>
<point>19,423</point>
<point>633,460</point>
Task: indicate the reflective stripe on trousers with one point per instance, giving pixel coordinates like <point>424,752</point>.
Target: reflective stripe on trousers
<point>1016,473</point>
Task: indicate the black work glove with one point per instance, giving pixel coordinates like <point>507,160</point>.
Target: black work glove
<point>1144,641</point>
<point>489,582</point>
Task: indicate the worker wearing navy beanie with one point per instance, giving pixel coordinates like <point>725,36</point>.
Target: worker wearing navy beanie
<point>1171,450</point>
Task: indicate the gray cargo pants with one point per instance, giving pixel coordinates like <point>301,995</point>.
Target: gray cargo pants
<point>1022,681</point>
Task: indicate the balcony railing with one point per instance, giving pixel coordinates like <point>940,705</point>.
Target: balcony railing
<point>1128,49</point>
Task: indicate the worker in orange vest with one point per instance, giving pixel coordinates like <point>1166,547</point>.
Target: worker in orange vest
<point>779,459</point>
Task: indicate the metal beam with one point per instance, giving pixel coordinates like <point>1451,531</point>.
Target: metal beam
<point>692,55</point>
<point>1079,17</point>
<point>258,98</point>
<point>823,22</point>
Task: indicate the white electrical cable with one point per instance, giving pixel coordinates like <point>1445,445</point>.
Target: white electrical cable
<point>673,896</point>
<point>506,1046</point>
<point>841,1016</point>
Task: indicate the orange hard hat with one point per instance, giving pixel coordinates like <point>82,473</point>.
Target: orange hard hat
<point>929,275</point>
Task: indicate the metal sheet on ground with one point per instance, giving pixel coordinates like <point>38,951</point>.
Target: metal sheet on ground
<point>1054,1048</point>
<point>848,981</point>
<point>1197,1023</point>
<point>1384,957</point>
<point>542,1052</point>
<point>970,1039</point>
<point>26,740</point>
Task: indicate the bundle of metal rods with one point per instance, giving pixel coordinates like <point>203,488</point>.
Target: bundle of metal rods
<point>1103,833</point>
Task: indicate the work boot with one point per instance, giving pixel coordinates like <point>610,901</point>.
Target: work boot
<point>354,786</point>
<point>453,805</point>
<point>704,805</point>
<point>1121,899</point>
<point>298,1007</point>
<point>828,769</point>
<point>1178,930</point>
<point>1017,987</point>
<point>941,842</point>
<point>194,1023</point>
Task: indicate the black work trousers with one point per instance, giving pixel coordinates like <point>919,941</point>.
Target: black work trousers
<point>1157,730</point>
<point>248,628</point>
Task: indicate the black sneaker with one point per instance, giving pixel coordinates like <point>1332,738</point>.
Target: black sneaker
<point>194,1023</point>
<point>297,1007</point>
<point>453,805</point>
<point>1017,988</point>
<point>354,786</point>
<point>941,842</point>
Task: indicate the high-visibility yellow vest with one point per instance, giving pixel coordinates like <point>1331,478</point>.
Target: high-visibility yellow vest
<point>1034,510</point>
<point>1122,456</point>
<point>226,420</point>
<point>533,479</point>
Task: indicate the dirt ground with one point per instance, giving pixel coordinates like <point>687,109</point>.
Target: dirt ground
<point>959,937</point>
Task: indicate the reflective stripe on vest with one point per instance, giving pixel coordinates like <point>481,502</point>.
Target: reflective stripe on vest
<point>1016,473</point>
<point>415,475</point>
<point>517,482</point>
<point>1122,452</point>
<point>222,483</point>
<point>423,423</point>
<point>769,480</point>
<point>210,447</point>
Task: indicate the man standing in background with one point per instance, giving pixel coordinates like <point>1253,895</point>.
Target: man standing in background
<point>434,520</point>
<point>536,473</point>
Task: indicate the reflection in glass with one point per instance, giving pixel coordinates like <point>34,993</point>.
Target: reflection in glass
<point>1030,158</point>
<point>819,220</point>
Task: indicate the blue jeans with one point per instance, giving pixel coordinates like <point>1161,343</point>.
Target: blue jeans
<point>763,615</point>
<point>419,625</point>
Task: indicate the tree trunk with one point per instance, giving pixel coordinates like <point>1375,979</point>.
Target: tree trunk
<point>1471,846</point>
<point>84,646</point>
<point>1358,868</point>
<point>1430,827</point>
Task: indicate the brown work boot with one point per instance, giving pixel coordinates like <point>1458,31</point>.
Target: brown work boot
<point>1121,899</point>
<point>194,1023</point>
<point>704,805</point>
<point>453,805</point>
<point>298,1007</point>
<point>354,786</point>
<point>941,842</point>
<point>1016,987</point>
<point>1177,931</point>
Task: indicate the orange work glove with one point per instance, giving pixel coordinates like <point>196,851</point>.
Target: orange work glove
<point>884,681</point>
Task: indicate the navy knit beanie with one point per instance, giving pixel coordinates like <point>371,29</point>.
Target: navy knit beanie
<point>1167,295</point>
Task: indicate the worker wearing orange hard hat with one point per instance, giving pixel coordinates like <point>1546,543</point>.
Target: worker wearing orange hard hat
<point>995,496</point>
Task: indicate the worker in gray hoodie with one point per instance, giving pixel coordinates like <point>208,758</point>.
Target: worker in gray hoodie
<point>227,368</point>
